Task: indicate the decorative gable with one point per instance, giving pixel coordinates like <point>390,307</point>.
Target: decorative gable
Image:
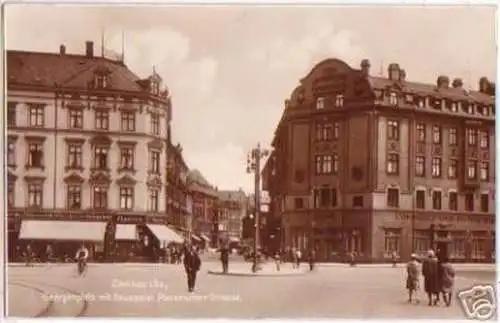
<point>74,179</point>
<point>100,178</point>
<point>126,181</point>
<point>101,140</point>
<point>154,182</point>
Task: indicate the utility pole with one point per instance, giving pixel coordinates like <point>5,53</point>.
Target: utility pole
<point>253,166</point>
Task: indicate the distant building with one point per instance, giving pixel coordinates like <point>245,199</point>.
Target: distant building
<point>86,154</point>
<point>204,208</point>
<point>232,208</point>
<point>376,165</point>
<point>177,188</point>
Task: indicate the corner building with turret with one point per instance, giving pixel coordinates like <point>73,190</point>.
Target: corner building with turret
<point>381,165</point>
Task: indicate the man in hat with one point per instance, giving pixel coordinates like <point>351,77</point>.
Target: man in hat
<point>431,279</point>
<point>412,281</point>
<point>192,264</point>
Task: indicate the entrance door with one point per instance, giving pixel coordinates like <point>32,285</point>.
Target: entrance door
<point>442,249</point>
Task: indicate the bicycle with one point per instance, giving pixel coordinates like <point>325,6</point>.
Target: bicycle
<point>81,266</point>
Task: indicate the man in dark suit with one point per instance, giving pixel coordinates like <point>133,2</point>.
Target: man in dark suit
<point>224,257</point>
<point>192,264</point>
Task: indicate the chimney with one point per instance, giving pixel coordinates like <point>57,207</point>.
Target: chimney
<point>393,70</point>
<point>443,82</point>
<point>484,85</point>
<point>89,49</point>
<point>458,83</point>
<point>402,75</point>
<point>62,50</point>
<point>365,67</point>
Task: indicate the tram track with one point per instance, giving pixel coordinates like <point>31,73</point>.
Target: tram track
<point>55,308</point>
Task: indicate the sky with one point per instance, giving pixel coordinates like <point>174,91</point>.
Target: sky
<point>230,68</point>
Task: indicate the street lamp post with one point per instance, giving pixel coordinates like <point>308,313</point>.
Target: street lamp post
<point>253,166</point>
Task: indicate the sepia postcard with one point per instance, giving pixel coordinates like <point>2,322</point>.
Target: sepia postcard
<point>249,161</point>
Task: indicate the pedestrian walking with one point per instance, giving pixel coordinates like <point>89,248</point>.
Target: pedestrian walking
<point>28,255</point>
<point>298,258</point>
<point>413,278</point>
<point>277,260</point>
<point>192,264</point>
<point>352,258</point>
<point>394,259</point>
<point>431,278</point>
<point>293,258</point>
<point>311,259</point>
<point>224,258</point>
<point>49,253</point>
<point>447,280</point>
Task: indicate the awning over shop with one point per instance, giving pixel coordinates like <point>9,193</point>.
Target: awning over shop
<point>126,232</point>
<point>204,237</point>
<point>195,237</point>
<point>165,234</point>
<point>62,230</point>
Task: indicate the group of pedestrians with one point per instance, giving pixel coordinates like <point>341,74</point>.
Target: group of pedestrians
<point>438,275</point>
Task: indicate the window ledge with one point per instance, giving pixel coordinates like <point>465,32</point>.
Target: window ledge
<point>125,170</point>
<point>73,168</point>
<point>94,169</point>
<point>28,167</point>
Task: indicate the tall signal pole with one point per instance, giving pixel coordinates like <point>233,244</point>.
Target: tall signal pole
<point>253,166</point>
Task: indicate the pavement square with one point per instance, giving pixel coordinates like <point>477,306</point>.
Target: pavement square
<point>160,290</point>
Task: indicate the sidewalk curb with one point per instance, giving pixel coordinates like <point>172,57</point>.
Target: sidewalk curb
<point>257,274</point>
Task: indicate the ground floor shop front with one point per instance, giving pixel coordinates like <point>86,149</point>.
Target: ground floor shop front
<point>378,236</point>
<point>57,237</point>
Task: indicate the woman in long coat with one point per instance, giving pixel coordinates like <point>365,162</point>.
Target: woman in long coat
<point>447,280</point>
<point>431,277</point>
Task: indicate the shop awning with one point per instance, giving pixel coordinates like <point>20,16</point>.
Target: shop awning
<point>204,237</point>
<point>195,237</point>
<point>165,234</point>
<point>62,230</point>
<point>126,232</point>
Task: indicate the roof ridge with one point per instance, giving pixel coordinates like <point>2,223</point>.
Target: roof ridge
<point>68,55</point>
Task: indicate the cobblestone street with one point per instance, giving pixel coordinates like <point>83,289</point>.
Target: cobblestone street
<point>333,291</point>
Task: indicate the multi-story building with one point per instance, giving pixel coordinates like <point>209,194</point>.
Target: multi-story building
<point>376,165</point>
<point>177,188</point>
<point>77,127</point>
<point>204,208</point>
<point>232,209</point>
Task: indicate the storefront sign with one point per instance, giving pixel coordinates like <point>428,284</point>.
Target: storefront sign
<point>129,219</point>
<point>157,220</point>
<point>445,218</point>
<point>69,216</point>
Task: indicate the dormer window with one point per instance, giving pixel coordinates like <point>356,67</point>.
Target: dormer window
<point>453,107</point>
<point>409,98</point>
<point>443,104</point>
<point>426,102</point>
<point>100,81</point>
<point>471,108</point>
<point>155,88</point>
<point>393,98</point>
<point>339,100</point>
<point>421,103</point>
<point>484,110</point>
<point>320,103</point>
<point>438,104</point>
